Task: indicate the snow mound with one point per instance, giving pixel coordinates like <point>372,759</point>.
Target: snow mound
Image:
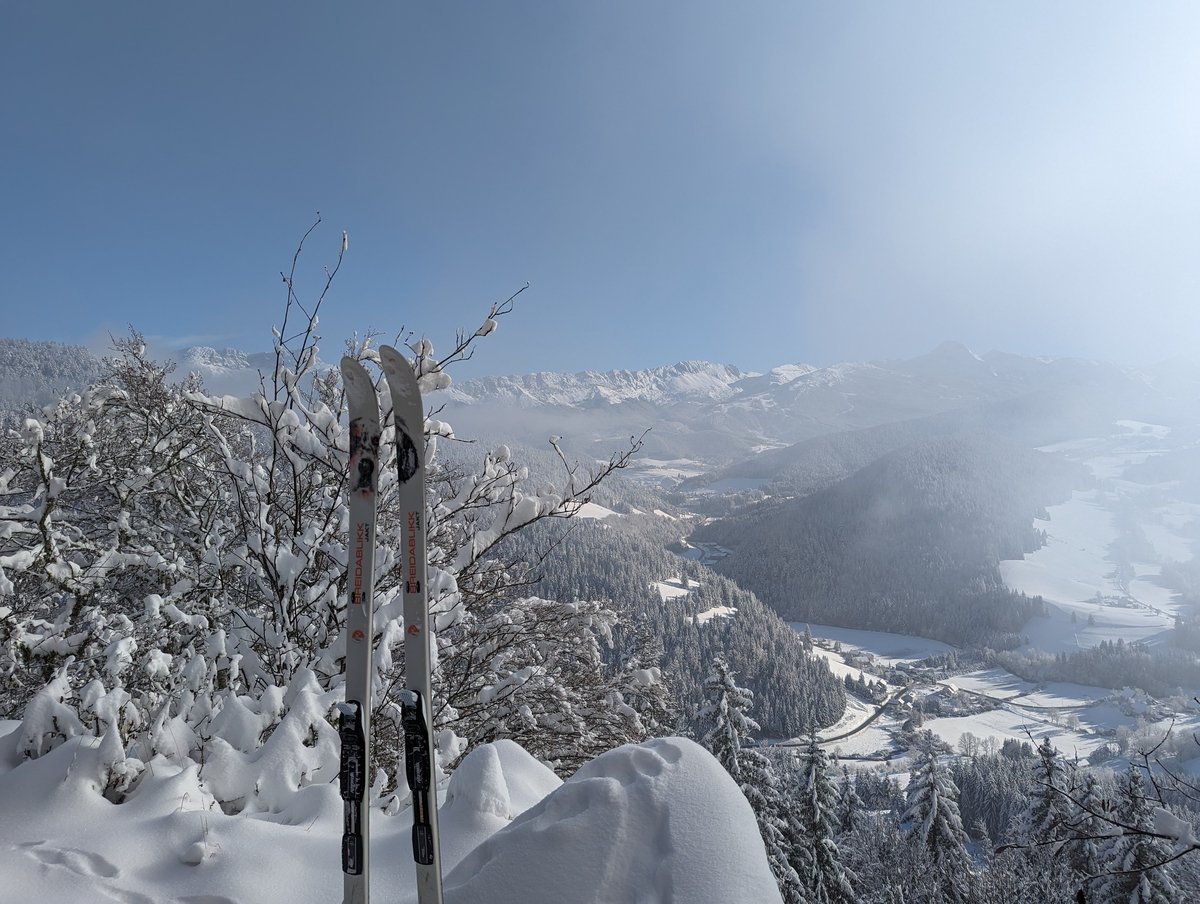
<point>655,822</point>
<point>492,786</point>
<point>500,771</point>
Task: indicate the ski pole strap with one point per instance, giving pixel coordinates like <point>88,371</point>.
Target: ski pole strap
<point>353,782</point>
<point>417,768</point>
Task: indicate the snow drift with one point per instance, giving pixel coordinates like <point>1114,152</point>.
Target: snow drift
<point>653,823</point>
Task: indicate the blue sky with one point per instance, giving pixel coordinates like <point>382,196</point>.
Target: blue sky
<point>755,183</point>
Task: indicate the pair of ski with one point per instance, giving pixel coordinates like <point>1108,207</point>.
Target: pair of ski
<point>355,714</point>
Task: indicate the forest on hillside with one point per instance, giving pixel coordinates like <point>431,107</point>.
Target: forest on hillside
<point>909,543</point>
<point>619,560</point>
<point>35,373</point>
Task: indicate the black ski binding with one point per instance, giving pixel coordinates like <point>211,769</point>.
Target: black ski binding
<point>416,769</point>
<point>353,782</point>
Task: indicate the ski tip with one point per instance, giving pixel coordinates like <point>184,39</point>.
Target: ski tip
<point>399,372</point>
<point>392,359</point>
<point>358,383</point>
<point>352,369</point>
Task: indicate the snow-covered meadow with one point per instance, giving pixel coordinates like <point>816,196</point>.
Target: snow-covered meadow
<point>1094,597</point>
<point>886,647</point>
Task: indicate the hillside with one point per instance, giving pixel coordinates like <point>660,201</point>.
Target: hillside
<point>688,611</point>
<point>908,543</point>
<point>36,373</point>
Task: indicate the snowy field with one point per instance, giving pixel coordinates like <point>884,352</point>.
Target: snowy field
<point>668,471</point>
<point>872,743</point>
<point>1091,600</point>
<point>708,615</point>
<point>1063,694</point>
<point>1001,724</point>
<point>673,588</point>
<point>656,822</point>
<point>596,512</point>
<point>997,684</point>
<point>887,648</point>
<point>1166,536</point>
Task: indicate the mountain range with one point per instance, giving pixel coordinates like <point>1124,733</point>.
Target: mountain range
<point>708,416</point>
<point>705,416</point>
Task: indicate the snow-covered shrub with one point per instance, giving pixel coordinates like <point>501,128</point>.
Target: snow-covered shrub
<point>172,576</point>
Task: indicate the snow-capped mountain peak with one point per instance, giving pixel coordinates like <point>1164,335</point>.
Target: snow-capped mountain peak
<point>685,381</point>
<point>205,358</point>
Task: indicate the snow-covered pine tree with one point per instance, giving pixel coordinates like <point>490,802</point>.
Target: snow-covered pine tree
<point>1043,830</point>
<point>724,719</point>
<point>891,866</point>
<point>1088,830</point>
<point>934,821</point>
<point>850,805</point>
<point>1051,809</point>
<point>642,686</point>
<point>815,803</point>
<point>727,731</point>
<point>1135,867</point>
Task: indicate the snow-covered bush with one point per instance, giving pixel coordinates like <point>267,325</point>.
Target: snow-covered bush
<point>172,579</point>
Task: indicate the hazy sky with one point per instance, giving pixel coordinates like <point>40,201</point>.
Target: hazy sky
<point>755,183</point>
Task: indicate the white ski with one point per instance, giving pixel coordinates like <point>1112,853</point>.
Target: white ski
<point>355,714</point>
<point>409,416</point>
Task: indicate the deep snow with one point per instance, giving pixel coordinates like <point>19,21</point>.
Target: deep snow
<point>657,822</point>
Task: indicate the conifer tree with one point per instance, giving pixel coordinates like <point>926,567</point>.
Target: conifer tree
<point>1088,827</point>
<point>1051,808</point>
<point>724,719</point>
<point>642,685</point>
<point>726,732</point>
<point>1044,828</point>
<point>825,880</point>
<point>850,804</point>
<point>935,821</point>
<point>1132,858</point>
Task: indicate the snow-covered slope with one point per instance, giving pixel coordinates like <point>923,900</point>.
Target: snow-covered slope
<point>227,370</point>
